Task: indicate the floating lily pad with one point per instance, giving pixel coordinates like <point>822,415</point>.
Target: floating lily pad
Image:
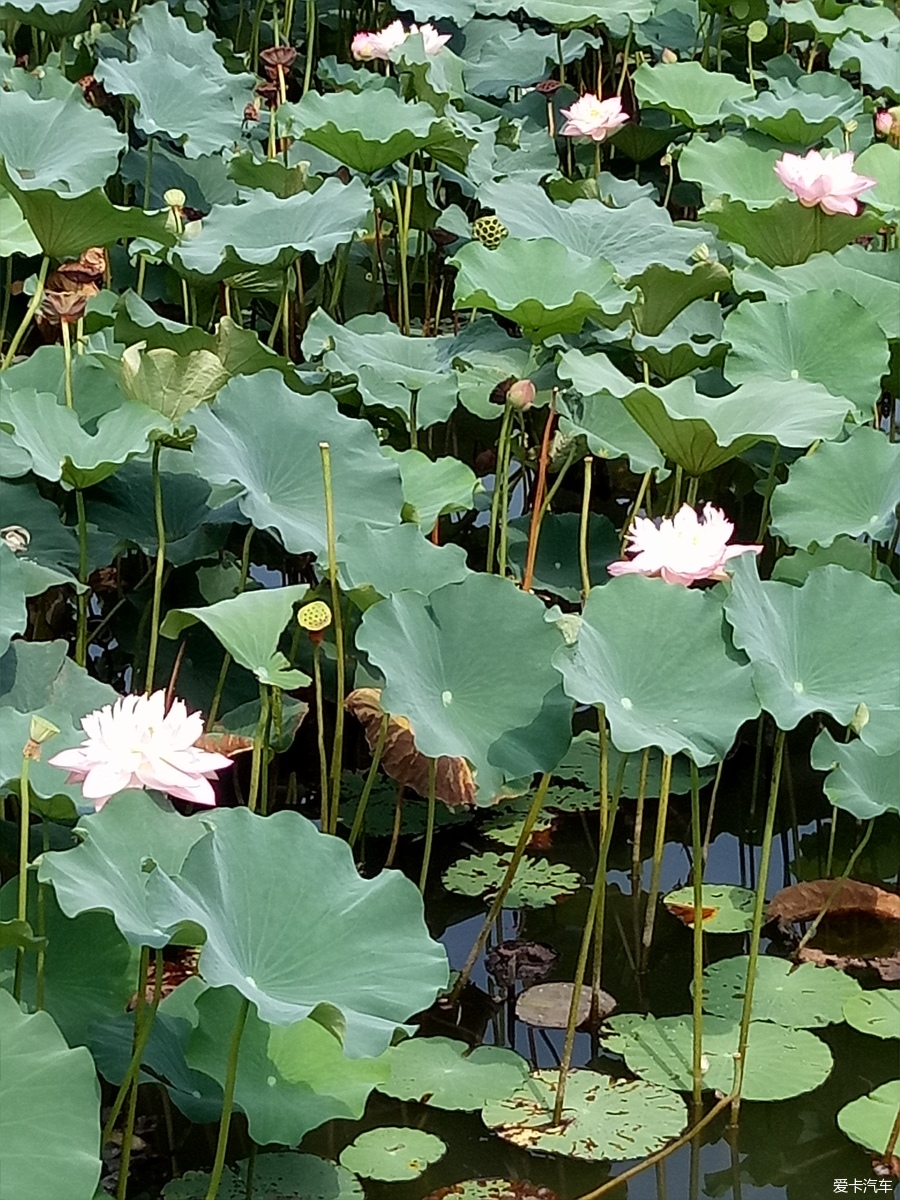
<point>493,1189</point>
<point>275,1177</point>
<point>582,765</point>
<point>726,909</point>
<point>860,781</point>
<point>800,997</point>
<point>379,816</point>
<point>392,1154</point>
<point>603,1118</point>
<point>876,1011</point>
<point>505,825</point>
<point>870,1119</point>
<point>547,1005</point>
<point>538,883</point>
<point>448,1074</point>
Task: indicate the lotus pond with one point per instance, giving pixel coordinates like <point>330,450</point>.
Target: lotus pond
<point>449,599</point>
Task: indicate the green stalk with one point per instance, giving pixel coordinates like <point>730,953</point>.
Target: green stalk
<point>692,491</point>
<point>33,305</point>
<point>429,828</point>
<point>143,1024</point>
<point>320,736</point>
<point>160,568</point>
<point>226,661</point>
<point>402,246</point>
<point>310,43</point>
<point>337,744</point>
<point>756,929</point>
<point>635,508</point>
<point>767,494</point>
<point>675,503</point>
<point>274,700</point>
<point>148,175</point>
<point>697,875</point>
<point>583,528</point>
<point>503,531</point>
<point>81,600</point>
<point>67,360</point>
<point>659,843</point>
<point>22,888</point>
<point>497,903</point>
<point>502,440</point>
<point>260,749</point>
<point>41,926</point>
<point>370,780</point>
<point>833,894</point>
<point>141,1035</point>
<point>227,1100</point>
<point>636,844</point>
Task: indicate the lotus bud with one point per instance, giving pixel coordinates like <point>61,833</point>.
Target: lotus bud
<point>668,56</point>
<point>174,198</point>
<point>884,122</point>
<point>16,537</point>
<point>666,161</point>
<point>41,731</point>
<point>860,719</point>
<point>701,254</point>
<point>521,394</point>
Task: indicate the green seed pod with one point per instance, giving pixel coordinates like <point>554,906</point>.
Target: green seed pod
<point>490,231</point>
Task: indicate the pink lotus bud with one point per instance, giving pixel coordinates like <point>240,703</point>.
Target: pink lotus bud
<point>668,56</point>
<point>884,122</point>
<point>521,394</point>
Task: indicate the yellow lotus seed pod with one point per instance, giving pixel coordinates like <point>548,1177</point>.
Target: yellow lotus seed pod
<point>490,231</point>
<point>315,616</point>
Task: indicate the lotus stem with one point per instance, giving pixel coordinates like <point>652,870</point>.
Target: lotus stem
<point>226,661</point>
<point>395,829</point>
<point>583,528</point>
<point>502,439</point>
<point>625,52</point>
<point>835,891</point>
<point>227,1099</point>
<point>310,43</point>
<point>338,742</point>
<point>659,843</point>
<point>81,599</point>
<point>148,174</point>
<point>160,568</point>
<point>707,838</point>
<point>41,926</point>
<point>67,361</point>
<point>697,879</point>
<point>635,508</point>
<point>832,834</point>
<point>402,246</point>
<point>537,512</point>
<point>429,827</point>
<point>893,1139</point>
<point>636,843</point>
<point>260,747</point>
<point>273,697</point>
<point>144,1017</point>
<point>767,494</point>
<point>22,888</point>
<point>141,1036</point>
<point>506,883</point>
<point>593,930</point>
<point>503,531</point>
<point>320,736</point>
<point>360,813</point>
<point>413,420</point>
<point>675,502</point>
<point>251,1171</point>
<point>756,929</point>
<point>33,305</point>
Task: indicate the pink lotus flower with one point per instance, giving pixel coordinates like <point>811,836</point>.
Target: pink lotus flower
<point>593,118</point>
<point>368,46</point>
<point>135,743</point>
<point>682,549</point>
<point>827,180</point>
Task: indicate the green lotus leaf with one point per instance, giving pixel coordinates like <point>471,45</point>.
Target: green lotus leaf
<point>801,113</point>
<point>801,659</point>
<point>876,1011</point>
<point>498,56</point>
<point>799,997</point>
<point>874,58</point>
<point>390,369</point>
<point>538,883</point>
<point>195,101</point>
<point>843,551</point>
<point>267,231</point>
<point>802,338</point>
<point>781,1063</point>
<point>266,438</point>
<point>732,167</point>
<point>397,560</point>
<point>95,385</point>
<point>882,163</point>
<point>570,14</point>
<point>366,131</point>
<point>874,23</point>
<point>542,285</point>
<point>688,91</point>
<point>688,692</point>
<point>301,1176</point>
<point>120,847</point>
<point>171,384</point>
<point>392,1154</point>
<point>15,232</point>
<point>19,935</point>
<point>319,950</point>
<point>290,1079</point>
<point>666,292</point>
<point>444,1073</point>
<point>859,781</point>
<point>249,626</point>
<point>850,487</point>
<point>785,233</point>
<point>60,446</point>
<point>50,1106</point>
<point>469,667</point>
<point>582,765</point>
<point>89,969</point>
<point>603,1117</point>
<point>556,568</point>
<point>378,820</point>
<point>609,430</point>
<point>13,610</point>
<point>433,488</point>
<point>504,825</point>
<point>57,145</point>
<point>870,1119</point>
<point>690,342</point>
<point>732,907</point>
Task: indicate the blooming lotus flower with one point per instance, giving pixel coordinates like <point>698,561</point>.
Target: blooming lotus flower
<point>135,743</point>
<point>827,180</point>
<point>682,549</point>
<point>368,46</point>
<point>593,118</point>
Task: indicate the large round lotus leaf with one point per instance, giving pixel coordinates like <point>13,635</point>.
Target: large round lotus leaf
<point>686,691</point>
<point>179,83</point>
<point>603,1118</point>
<point>49,1111</point>
<point>61,447</point>
<point>556,567</point>
<point>291,924</point>
<point>290,1079</point>
<point>278,1176</point>
<point>397,560</point>
<point>249,626</point>
<point>690,93</point>
<point>392,1154</point>
<point>582,765</point>
<point>542,285</point>
<point>731,167</point>
<point>870,1119</point>
<point>609,430</point>
<point>449,1074</point>
<point>470,668</point>
<point>172,384</point>
<point>875,58</point>
<point>691,340</point>
<point>58,145</point>
<point>848,487</point>
<point>859,781</point>
<point>432,488</point>
<point>108,870</point>
<point>268,231</point>
<point>844,552</point>
<point>366,131</point>
<point>785,233</point>
<point>266,438</point>
<point>571,14</point>
<point>780,1062</point>
<point>876,1011</point>
<point>538,883</point>
<point>58,17</point>
<point>390,369</point>
<point>726,909</point>
<point>802,339</point>
<point>801,113</point>
<point>89,970</point>
<point>802,660</point>
<point>801,997</point>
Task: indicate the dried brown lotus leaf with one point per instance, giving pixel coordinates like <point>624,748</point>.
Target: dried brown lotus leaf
<point>804,901</point>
